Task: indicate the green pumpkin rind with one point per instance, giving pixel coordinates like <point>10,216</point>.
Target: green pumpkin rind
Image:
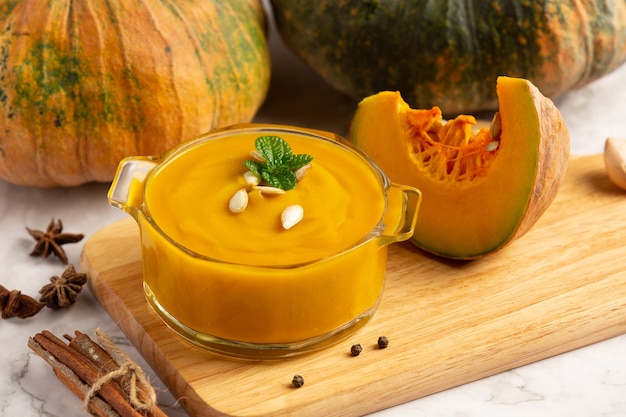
<point>450,53</point>
<point>85,84</point>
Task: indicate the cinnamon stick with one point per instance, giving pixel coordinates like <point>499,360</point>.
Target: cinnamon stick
<point>90,349</point>
<point>87,371</point>
<point>101,358</point>
<point>80,365</point>
<point>97,406</point>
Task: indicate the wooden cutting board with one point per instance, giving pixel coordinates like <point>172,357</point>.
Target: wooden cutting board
<point>559,287</point>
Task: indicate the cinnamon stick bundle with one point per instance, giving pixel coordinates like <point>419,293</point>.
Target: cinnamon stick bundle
<point>83,364</point>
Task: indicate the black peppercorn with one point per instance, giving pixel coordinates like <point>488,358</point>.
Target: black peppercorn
<point>355,350</point>
<point>297,381</point>
<point>383,342</point>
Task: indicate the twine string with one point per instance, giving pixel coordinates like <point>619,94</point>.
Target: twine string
<point>138,381</point>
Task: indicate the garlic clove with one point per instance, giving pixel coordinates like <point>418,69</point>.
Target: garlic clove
<point>291,216</point>
<point>239,201</point>
<point>615,161</point>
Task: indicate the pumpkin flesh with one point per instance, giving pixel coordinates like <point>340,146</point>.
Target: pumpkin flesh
<point>479,192</point>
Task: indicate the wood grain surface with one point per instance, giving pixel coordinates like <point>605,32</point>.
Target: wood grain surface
<point>559,287</point>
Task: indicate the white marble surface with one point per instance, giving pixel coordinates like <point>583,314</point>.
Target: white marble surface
<point>588,382</point>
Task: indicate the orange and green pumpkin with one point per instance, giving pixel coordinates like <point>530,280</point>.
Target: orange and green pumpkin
<point>449,53</point>
<point>84,84</point>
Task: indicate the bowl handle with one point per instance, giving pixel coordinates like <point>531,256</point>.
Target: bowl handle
<point>403,204</point>
<point>126,192</point>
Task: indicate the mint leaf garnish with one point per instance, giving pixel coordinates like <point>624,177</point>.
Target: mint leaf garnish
<point>274,150</point>
<point>299,160</point>
<point>280,162</point>
<point>254,166</point>
<point>281,178</point>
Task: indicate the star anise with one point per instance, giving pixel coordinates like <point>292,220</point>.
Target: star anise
<point>15,304</point>
<point>62,291</point>
<point>51,240</point>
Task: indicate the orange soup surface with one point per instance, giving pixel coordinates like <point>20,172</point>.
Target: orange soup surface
<point>188,199</point>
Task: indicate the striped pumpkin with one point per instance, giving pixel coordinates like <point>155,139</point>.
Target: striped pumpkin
<point>85,83</point>
<point>449,53</point>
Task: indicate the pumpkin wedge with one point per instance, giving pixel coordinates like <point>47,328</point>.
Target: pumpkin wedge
<point>482,187</point>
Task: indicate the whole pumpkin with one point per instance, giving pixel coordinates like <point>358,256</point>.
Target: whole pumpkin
<point>449,53</point>
<point>86,83</point>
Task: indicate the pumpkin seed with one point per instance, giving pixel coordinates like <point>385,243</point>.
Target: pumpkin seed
<point>266,189</point>
<point>495,129</point>
<point>300,172</point>
<point>492,146</point>
<point>239,201</point>
<point>257,156</point>
<point>252,178</point>
<point>291,216</point>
